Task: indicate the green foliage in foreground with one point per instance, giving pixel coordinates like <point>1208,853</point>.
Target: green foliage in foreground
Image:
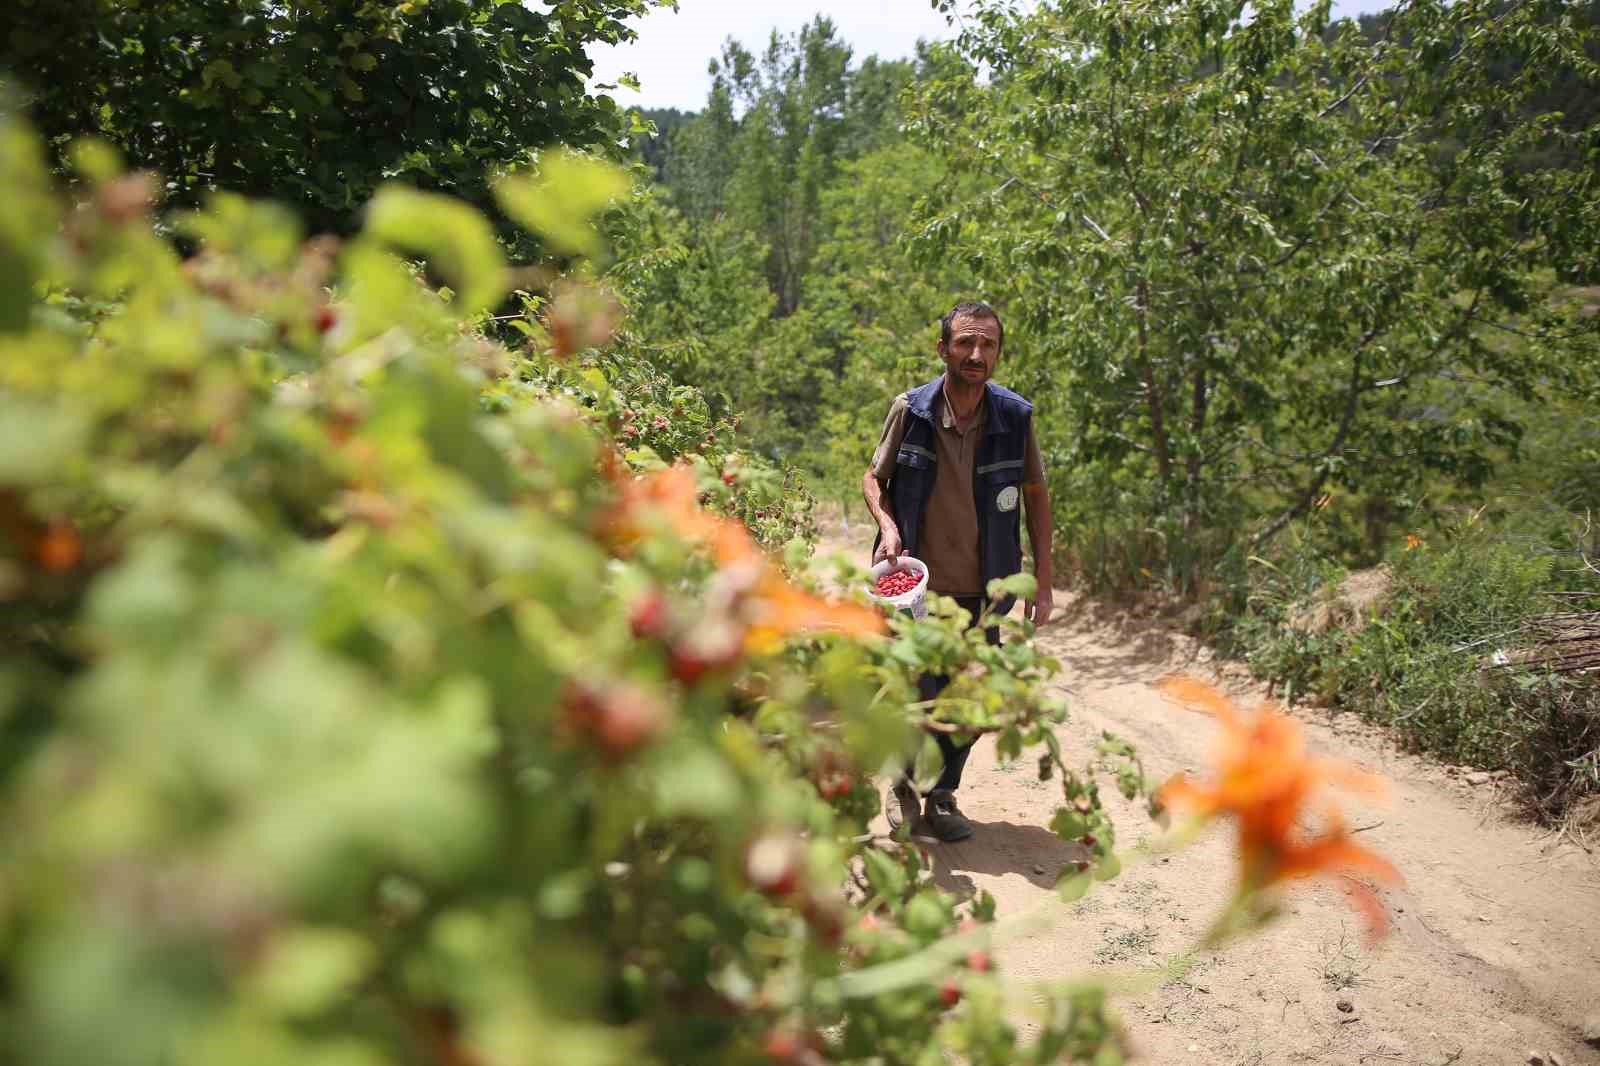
<point>350,712</point>
<point>1439,656</point>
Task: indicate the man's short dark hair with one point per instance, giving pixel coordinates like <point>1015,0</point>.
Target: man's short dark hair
<point>970,309</point>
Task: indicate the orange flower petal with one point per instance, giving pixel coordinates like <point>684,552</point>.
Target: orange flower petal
<point>779,609</point>
<point>1265,777</point>
<point>1334,853</point>
<point>1197,693</point>
<point>1374,915</point>
<point>1182,793</point>
<point>771,607</point>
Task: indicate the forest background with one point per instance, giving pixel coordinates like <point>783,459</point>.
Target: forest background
<point>1295,297</point>
<point>406,650</point>
<point>1291,310</point>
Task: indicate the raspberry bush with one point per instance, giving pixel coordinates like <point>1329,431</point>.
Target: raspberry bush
<point>376,690</point>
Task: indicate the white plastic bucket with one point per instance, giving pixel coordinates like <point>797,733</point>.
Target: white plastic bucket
<point>915,601</point>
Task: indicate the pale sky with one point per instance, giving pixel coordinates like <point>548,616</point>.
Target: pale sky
<point>673,49</point>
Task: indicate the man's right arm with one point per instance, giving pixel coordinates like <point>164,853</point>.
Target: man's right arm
<point>876,480</point>
<point>889,541</point>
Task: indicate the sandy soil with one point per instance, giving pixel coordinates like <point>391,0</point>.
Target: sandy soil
<point>1494,955</point>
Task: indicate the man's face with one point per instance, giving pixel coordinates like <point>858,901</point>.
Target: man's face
<point>973,350</point>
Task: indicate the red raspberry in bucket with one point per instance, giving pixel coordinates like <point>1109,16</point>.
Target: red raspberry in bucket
<point>897,583</point>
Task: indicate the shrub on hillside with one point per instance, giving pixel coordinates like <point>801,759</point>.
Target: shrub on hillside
<point>1445,655</point>
<point>368,694</point>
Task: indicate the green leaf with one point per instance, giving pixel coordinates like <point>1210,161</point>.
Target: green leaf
<point>925,916</point>
<point>220,70</point>
<point>27,221</point>
<point>560,200</point>
<point>1022,585</point>
<point>39,442</point>
<point>693,782</point>
<point>887,878</point>
<point>96,160</point>
<point>307,969</point>
<point>456,240</point>
<point>1068,824</point>
<point>1073,888</point>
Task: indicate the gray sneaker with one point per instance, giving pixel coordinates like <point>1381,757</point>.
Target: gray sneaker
<point>902,805</point>
<point>943,820</point>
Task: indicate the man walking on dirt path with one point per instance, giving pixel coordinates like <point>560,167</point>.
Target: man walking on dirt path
<point>957,456</point>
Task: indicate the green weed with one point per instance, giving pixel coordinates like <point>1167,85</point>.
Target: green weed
<point>1437,656</point>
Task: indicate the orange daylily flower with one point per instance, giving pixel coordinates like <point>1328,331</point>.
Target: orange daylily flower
<point>748,587</point>
<point>1265,778</point>
<point>668,496</point>
<point>778,609</point>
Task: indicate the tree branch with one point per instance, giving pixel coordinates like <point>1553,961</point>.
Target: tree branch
<point>1347,419</point>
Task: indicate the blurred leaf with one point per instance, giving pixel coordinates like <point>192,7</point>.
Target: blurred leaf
<point>1021,584</point>
<point>38,443</point>
<point>456,240</point>
<point>694,783</point>
<point>306,970</point>
<point>1072,887</point>
<point>560,201</point>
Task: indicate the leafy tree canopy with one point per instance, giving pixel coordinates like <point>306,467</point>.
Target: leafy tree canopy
<point>1247,274</point>
<point>315,102</point>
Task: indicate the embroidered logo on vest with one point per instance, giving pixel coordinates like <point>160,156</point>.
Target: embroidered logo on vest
<point>1007,499</point>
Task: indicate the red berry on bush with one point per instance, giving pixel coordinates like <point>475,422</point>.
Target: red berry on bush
<point>563,335</point>
<point>782,1045</point>
<point>327,318</point>
<point>686,665</point>
<point>826,919</point>
<point>789,1048</point>
<point>618,719</point>
<point>835,785</point>
<point>772,864</point>
<point>649,618</point>
<point>629,718</point>
<point>128,198</point>
<point>59,548</point>
<point>979,961</point>
<point>709,647</point>
<point>950,992</point>
<point>834,775</point>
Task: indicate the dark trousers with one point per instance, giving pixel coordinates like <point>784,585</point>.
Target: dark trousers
<point>954,749</point>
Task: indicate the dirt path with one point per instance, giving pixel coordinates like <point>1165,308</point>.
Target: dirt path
<point>1495,951</point>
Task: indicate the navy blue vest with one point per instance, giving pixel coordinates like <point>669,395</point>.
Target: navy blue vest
<point>996,478</point>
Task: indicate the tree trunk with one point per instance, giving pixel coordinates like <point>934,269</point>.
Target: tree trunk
<point>1152,389</point>
<point>1196,459</point>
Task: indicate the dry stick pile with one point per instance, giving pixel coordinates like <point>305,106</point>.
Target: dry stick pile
<point>1566,643</point>
<point>1561,643</point>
